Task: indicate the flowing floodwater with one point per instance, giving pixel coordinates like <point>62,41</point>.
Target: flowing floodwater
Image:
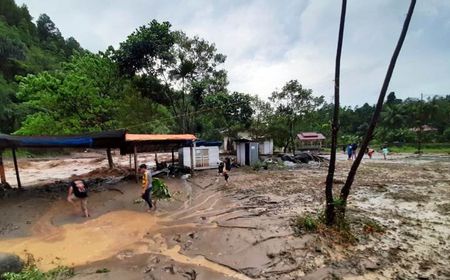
<point>106,236</point>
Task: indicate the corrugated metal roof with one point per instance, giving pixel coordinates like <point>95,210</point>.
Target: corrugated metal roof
<point>159,137</point>
<point>107,139</point>
<point>310,136</point>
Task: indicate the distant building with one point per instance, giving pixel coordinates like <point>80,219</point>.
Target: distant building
<point>265,144</point>
<point>424,128</point>
<point>310,140</point>
<point>247,152</point>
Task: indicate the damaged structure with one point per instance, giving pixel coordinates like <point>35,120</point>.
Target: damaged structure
<point>120,139</point>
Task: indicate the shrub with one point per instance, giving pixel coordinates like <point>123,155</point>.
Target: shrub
<point>160,190</point>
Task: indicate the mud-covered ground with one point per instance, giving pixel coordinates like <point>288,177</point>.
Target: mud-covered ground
<point>398,211</point>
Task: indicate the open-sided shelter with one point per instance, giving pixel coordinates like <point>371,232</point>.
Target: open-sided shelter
<point>310,140</point>
<point>139,143</point>
<point>100,140</point>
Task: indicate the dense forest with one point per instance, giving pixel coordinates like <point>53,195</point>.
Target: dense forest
<point>160,80</point>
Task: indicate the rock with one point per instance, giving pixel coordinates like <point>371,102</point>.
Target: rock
<point>369,265</point>
<point>192,235</point>
<point>10,263</point>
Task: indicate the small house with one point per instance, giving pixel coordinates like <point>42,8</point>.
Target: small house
<point>310,140</point>
<point>266,147</point>
<point>206,155</point>
<point>247,152</point>
<point>265,144</point>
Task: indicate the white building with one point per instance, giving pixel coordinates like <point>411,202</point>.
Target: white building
<point>206,155</point>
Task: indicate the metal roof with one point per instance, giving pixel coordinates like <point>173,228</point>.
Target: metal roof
<point>310,136</point>
<point>159,137</point>
<point>107,139</point>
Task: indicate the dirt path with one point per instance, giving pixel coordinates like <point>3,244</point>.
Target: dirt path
<point>242,231</point>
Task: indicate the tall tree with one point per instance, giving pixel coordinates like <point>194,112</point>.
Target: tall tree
<point>329,211</point>
<point>47,29</point>
<point>181,68</point>
<point>373,123</point>
<point>292,103</point>
<point>81,97</point>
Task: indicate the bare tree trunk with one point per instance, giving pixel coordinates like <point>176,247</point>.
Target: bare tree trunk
<point>351,175</point>
<point>329,211</point>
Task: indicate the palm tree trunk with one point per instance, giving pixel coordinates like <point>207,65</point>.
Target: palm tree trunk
<point>351,175</point>
<point>329,211</point>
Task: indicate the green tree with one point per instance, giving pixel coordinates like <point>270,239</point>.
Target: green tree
<point>80,97</point>
<point>172,69</point>
<point>292,104</point>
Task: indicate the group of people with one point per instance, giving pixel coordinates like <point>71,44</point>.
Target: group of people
<point>78,191</point>
<point>350,149</point>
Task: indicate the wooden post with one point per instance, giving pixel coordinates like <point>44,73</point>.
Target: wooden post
<point>135,163</point>
<point>110,159</point>
<point>130,160</point>
<point>192,158</point>
<point>16,167</point>
<point>173,157</point>
<point>2,169</point>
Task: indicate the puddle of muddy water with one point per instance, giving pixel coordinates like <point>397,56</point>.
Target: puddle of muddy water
<point>78,244</point>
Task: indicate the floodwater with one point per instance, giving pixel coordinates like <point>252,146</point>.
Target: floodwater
<point>242,231</point>
<point>78,244</point>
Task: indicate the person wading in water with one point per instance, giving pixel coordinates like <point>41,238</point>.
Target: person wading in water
<point>146,185</point>
<point>78,191</point>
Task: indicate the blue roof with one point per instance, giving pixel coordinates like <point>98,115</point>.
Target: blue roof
<point>207,143</point>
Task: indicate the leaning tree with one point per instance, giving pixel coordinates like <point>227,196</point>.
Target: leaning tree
<point>339,206</point>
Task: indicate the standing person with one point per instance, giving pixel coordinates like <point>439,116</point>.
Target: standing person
<point>220,168</point>
<point>227,169</point>
<point>354,147</point>
<point>385,152</point>
<point>370,152</point>
<point>146,185</point>
<point>349,151</point>
<point>78,191</point>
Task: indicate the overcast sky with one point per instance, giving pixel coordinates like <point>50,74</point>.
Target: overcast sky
<point>268,42</point>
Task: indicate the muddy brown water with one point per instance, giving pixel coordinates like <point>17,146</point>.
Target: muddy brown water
<point>241,231</point>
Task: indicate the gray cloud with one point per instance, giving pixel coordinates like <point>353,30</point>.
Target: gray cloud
<point>269,42</point>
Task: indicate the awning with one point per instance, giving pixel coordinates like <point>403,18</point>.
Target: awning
<point>107,139</point>
<point>156,142</point>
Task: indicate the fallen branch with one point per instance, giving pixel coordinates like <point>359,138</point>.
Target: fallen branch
<point>235,226</point>
<point>247,216</point>
<point>269,238</point>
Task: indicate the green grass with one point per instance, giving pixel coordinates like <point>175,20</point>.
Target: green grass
<point>426,149</point>
<point>33,273</point>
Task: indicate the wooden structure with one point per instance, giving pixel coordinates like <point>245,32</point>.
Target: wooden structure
<point>101,140</point>
<point>140,143</point>
<point>127,143</point>
<point>310,140</point>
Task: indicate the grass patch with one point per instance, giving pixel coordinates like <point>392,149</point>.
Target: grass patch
<point>347,230</point>
<point>33,273</point>
<point>302,224</point>
<point>437,148</point>
<point>372,226</point>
